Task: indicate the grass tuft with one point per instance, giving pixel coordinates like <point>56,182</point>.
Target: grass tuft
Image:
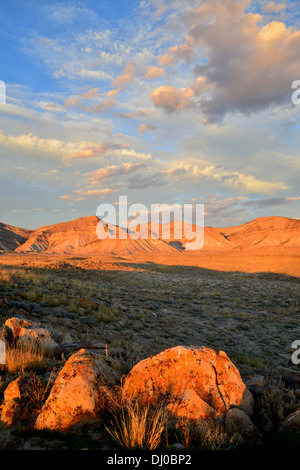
<point>24,359</point>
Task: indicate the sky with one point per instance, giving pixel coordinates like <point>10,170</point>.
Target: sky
<point>161,101</point>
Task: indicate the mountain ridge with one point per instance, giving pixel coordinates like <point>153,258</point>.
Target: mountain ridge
<point>79,236</point>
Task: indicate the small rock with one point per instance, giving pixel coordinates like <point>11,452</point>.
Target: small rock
<point>238,424</point>
<point>64,338</point>
<point>256,384</point>
<point>12,328</point>
<point>292,421</point>
<point>176,445</point>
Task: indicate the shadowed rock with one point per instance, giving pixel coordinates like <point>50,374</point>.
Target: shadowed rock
<point>12,237</point>
<point>14,395</point>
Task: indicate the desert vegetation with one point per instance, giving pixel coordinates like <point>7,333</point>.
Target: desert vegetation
<point>145,307</point>
<point>139,309</point>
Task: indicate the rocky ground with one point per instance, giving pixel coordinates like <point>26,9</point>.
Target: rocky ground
<point>141,309</point>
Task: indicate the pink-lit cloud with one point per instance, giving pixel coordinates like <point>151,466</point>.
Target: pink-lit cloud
<point>171,99</point>
<point>126,76</point>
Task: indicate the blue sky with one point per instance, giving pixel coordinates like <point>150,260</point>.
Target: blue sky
<point>178,101</point>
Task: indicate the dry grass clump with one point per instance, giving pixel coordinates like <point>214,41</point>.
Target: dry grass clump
<point>203,435</point>
<point>36,392</point>
<point>146,427</point>
<point>134,426</point>
<point>23,359</point>
<point>138,427</point>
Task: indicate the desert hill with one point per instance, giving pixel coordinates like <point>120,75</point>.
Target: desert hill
<point>64,237</point>
<point>12,237</point>
<point>265,232</point>
<point>79,236</point>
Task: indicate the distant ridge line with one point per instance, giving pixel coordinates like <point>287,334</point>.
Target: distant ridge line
<point>79,236</point>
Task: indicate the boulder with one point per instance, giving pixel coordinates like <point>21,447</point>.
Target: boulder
<point>76,395</point>
<point>61,338</point>
<point>239,425</point>
<point>34,336</point>
<point>14,395</point>
<point>12,328</point>
<point>23,334</point>
<point>256,384</point>
<point>196,383</point>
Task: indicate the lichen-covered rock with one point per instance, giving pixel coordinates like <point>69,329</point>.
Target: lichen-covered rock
<point>76,395</point>
<point>14,395</point>
<point>190,405</point>
<point>196,383</point>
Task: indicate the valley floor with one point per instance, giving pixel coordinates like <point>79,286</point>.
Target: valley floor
<point>245,303</point>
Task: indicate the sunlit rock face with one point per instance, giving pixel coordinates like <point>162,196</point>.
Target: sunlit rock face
<point>76,395</point>
<point>195,383</point>
<point>80,236</point>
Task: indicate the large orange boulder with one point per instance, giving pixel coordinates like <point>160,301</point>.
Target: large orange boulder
<point>76,395</point>
<point>195,383</point>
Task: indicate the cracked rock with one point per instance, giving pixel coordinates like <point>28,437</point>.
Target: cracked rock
<point>196,383</point>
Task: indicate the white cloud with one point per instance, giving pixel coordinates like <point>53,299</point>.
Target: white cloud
<point>83,194</point>
<point>240,181</point>
<point>30,142</point>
